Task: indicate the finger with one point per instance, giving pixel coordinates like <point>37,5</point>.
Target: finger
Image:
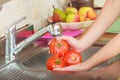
<point>58,38</point>
<point>67,38</point>
<point>48,52</point>
<point>64,69</point>
<point>49,42</point>
<point>77,50</point>
<point>61,69</point>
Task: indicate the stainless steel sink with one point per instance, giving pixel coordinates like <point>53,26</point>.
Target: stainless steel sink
<point>38,61</point>
<point>31,65</point>
<point>2,52</point>
<point>2,61</point>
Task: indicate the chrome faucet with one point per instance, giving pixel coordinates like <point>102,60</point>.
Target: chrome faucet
<point>12,48</point>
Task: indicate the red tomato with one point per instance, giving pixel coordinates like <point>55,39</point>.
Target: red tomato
<point>58,47</point>
<point>54,62</point>
<point>72,57</point>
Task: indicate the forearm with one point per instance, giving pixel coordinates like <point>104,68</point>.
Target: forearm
<point>102,22</point>
<point>108,51</point>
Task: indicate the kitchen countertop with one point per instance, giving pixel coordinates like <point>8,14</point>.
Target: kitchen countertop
<point>106,37</point>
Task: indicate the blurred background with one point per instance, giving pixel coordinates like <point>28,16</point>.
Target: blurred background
<point>37,11</point>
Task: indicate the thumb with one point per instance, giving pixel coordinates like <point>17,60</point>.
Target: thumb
<point>67,38</point>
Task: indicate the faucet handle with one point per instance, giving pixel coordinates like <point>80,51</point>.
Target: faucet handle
<point>55,29</point>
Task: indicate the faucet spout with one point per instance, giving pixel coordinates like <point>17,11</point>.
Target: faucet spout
<point>30,39</point>
<point>12,48</point>
<point>54,29</point>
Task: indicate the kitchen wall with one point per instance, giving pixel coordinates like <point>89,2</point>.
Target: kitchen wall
<point>99,3</point>
<point>11,12</point>
<point>36,12</point>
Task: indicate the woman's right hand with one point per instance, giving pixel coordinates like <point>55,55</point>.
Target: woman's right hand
<point>74,43</point>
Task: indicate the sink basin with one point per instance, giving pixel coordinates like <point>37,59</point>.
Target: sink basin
<point>2,52</point>
<point>38,61</point>
<point>2,61</point>
<point>33,66</point>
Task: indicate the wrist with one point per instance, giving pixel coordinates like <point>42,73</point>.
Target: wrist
<point>83,45</point>
<point>86,66</point>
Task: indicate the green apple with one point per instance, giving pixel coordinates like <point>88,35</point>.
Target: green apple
<point>72,17</point>
<point>69,10</point>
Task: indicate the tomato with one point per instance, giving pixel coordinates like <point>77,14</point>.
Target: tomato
<point>72,57</point>
<point>54,62</point>
<point>58,47</point>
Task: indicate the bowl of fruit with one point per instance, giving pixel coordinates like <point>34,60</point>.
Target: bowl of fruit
<point>72,18</point>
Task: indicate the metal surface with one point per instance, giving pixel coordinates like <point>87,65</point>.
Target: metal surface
<point>11,40</point>
<point>14,71</point>
<point>12,48</point>
<point>2,61</point>
<point>38,61</point>
<point>30,65</point>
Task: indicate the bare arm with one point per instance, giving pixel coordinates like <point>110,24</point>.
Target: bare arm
<point>108,51</point>
<point>107,16</point>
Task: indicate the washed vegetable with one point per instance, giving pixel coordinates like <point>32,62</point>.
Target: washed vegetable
<point>54,62</point>
<point>59,48</point>
<point>72,57</point>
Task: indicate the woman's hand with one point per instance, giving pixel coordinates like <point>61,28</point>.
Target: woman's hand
<point>77,67</point>
<point>74,43</point>
<point>77,45</point>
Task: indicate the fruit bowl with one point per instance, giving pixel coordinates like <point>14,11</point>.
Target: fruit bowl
<point>76,25</point>
<point>72,18</point>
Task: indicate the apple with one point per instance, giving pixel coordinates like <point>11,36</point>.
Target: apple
<point>69,10</point>
<point>72,17</point>
<point>86,13</point>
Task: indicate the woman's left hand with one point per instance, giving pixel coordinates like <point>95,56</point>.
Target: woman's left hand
<point>77,67</point>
